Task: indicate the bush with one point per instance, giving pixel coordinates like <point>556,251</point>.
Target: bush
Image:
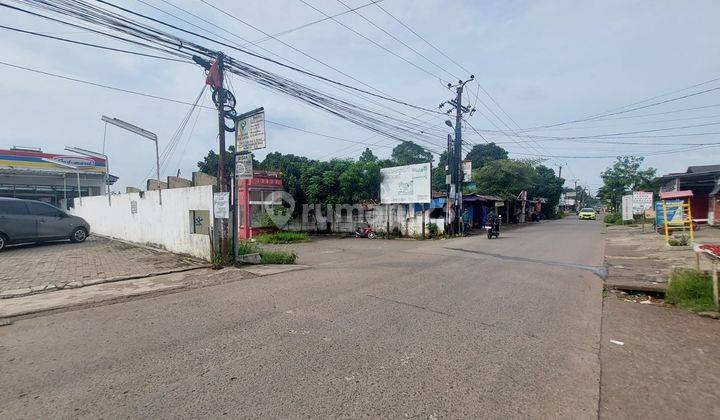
<point>282,237</point>
<point>681,240</point>
<point>432,229</point>
<point>690,290</point>
<point>277,257</point>
<point>245,248</point>
<point>613,218</point>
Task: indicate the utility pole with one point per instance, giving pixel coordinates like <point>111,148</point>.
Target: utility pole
<point>455,153</point>
<point>221,157</point>
<point>560,170</point>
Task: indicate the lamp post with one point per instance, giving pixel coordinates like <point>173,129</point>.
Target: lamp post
<point>89,153</point>
<point>143,133</point>
<point>65,165</point>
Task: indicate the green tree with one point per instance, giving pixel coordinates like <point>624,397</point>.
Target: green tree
<point>546,185</point>
<point>209,164</point>
<point>409,153</point>
<point>438,173</point>
<point>482,154</point>
<point>624,177</point>
<point>504,178</point>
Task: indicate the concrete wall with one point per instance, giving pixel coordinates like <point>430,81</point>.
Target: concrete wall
<point>401,218</point>
<point>139,217</point>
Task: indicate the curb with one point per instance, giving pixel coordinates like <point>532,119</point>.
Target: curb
<point>16,293</point>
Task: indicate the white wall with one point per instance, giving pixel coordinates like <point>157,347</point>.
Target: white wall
<point>167,226</point>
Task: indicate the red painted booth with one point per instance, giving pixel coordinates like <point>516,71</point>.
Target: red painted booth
<point>253,194</point>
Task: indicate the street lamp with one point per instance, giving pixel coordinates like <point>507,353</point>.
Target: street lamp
<point>89,153</point>
<point>65,165</point>
<point>140,132</point>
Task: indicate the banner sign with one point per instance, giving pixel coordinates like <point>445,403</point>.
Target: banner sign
<point>675,212</point>
<point>627,207</point>
<point>405,184</point>
<point>251,131</point>
<point>221,205</point>
<point>642,200</point>
<point>244,166</point>
<point>29,160</point>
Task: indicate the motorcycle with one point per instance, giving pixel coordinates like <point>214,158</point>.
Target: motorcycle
<point>493,229</point>
<point>366,232</point>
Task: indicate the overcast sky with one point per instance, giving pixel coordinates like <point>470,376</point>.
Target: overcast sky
<point>544,62</point>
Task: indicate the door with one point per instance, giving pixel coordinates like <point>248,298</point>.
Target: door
<point>16,221</point>
<point>51,222</point>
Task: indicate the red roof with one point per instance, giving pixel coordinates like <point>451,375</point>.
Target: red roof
<point>675,194</point>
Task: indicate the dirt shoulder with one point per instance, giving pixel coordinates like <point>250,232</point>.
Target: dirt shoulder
<point>657,361</point>
<point>668,366</point>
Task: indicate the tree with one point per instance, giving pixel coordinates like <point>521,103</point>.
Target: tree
<point>624,177</point>
<point>209,164</point>
<point>504,178</point>
<point>438,173</point>
<point>482,154</point>
<point>546,185</point>
<point>368,156</point>
<point>409,153</point>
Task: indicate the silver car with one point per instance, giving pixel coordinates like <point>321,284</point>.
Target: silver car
<point>24,221</point>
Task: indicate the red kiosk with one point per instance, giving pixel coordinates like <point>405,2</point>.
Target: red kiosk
<point>253,194</point>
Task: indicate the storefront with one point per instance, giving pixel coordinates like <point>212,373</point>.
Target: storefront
<point>52,178</point>
<point>254,196</point>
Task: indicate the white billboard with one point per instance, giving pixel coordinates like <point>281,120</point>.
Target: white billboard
<point>406,184</point>
<point>627,207</point>
<point>250,131</point>
<point>642,200</point>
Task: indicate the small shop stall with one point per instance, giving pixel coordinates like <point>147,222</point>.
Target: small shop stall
<point>674,212</point>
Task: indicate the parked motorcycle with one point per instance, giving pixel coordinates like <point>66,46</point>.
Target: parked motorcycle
<point>366,232</point>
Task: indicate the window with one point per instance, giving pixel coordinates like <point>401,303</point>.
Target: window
<point>41,209</point>
<point>13,207</point>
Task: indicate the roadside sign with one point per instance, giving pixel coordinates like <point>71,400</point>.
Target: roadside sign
<point>467,170</point>
<point>642,201</point>
<point>221,205</point>
<point>244,166</point>
<point>250,131</point>
<point>627,207</point>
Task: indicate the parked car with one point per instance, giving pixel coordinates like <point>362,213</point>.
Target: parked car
<point>587,213</point>
<point>24,221</point>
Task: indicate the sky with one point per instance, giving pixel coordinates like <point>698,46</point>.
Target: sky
<point>536,63</point>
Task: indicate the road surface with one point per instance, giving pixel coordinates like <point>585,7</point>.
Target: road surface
<point>449,328</point>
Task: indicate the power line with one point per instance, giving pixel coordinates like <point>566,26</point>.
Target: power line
<point>87,44</point>
<point>181,102</point>
<point>371,41</point>
<point>303,26</point>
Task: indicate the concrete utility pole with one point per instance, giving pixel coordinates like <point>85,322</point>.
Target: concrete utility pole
<point>221,155</point>
<point>560,170</point>
<point>455,153</point>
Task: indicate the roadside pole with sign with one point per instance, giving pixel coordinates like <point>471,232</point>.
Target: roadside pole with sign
<point>250,136</point>
<point>641,202</point>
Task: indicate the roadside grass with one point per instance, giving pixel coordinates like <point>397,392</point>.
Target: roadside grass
<point>277,257</point>
<point>690,290</point>
<point>267,256</point>
<point>282,237</point>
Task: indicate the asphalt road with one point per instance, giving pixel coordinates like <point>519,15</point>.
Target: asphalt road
<point>452,328</point>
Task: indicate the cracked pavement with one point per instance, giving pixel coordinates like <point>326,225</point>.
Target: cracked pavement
<point>374,328</point>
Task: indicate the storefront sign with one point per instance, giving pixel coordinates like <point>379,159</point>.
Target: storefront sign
<point>244,166</point>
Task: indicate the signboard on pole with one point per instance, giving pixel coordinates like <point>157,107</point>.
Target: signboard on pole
<point>642,200</point>
<point>467,170</point>
<point>627,207</point>
<point>250,131</point>
<point>221,205</point>
<point>406,184</point>
<point>244,166</point>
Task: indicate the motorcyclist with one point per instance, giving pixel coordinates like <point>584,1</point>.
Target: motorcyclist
<point>493,221</point>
